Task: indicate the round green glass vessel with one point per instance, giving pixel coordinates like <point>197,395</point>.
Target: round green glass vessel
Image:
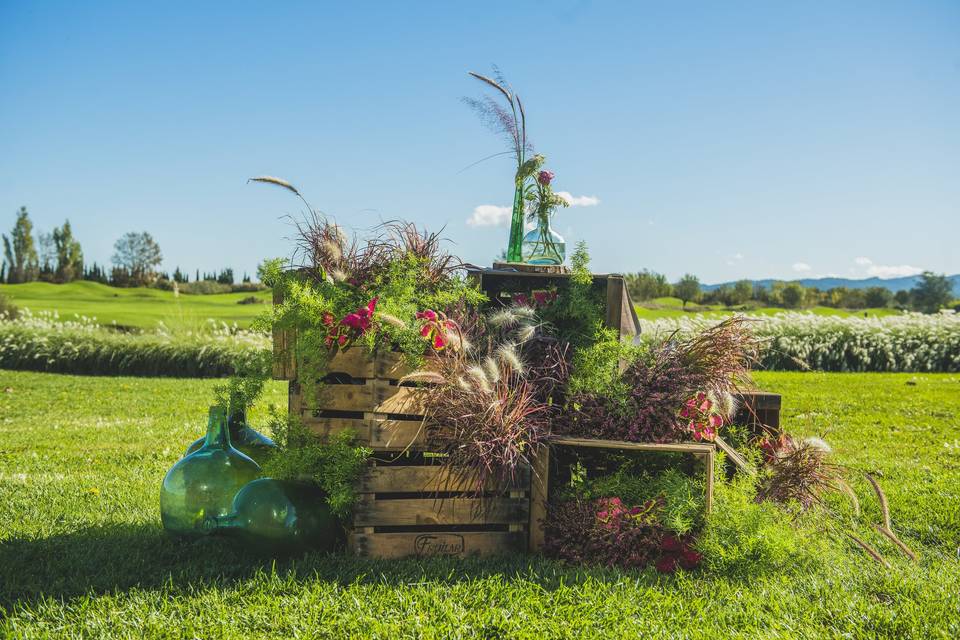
<point>276,517</point>
<point>204,483</point>
<point>543,245</point>
<point>244,438</point>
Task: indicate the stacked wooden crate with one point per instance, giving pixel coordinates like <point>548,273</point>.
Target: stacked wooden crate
<point>410,505</point>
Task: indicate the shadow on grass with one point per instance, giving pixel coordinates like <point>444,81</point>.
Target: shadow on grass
<point>115,558</point>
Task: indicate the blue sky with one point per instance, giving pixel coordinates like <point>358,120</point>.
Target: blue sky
<point>726,139</point>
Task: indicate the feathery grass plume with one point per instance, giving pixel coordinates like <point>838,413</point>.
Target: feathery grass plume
<point>873,553</point>
<point>887,527</point>
<point>280,182</point>
<point>391,320</point>
<point>798,471</point>
<point>477,373</point>
<point>424,376</point>
<point>818,443</point>
<point>848,490</point>
<point>464,385</point>
<point>508,355</point>
<point>338,275</point>
<point>526,332</point>
<point>492,369</point>
<point>506,317</point>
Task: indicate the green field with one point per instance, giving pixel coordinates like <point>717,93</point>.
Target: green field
<point>134,307</point>
<point>673,308</point>
<point>82,553</point>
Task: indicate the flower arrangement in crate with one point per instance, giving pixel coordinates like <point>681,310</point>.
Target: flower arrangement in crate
<point>372,292</point>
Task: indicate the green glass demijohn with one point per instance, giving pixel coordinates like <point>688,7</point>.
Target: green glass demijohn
<point>243,438</point>
<point>277,517</point>
<point>204,483</point>
<point>543,245</point>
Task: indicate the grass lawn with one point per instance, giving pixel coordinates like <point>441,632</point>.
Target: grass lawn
<point>82,553</point>
<point>133,307</point>
<point>673,308</point>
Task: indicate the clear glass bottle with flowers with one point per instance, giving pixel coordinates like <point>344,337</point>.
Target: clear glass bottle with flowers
<point>542,245</point>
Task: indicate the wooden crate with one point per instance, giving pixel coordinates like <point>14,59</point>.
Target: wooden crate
<point>411,506</point>
<point>542,466</point>
<point>362,392</point>
<point>758,409</point>
<point>505,279</point>
<point>409,503</point>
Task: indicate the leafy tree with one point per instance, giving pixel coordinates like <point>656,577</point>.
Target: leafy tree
<point>647,285</point>
<point>932,292</point>
<point>877,297</point>
<point>68,253</point>
<point>792,295</point>
<point>180,276</point>
<point>902,299</point>
<point>46,256</point>
<point>225,276</point>
<point>138,254</point>
<point>854,299</point>
<point>687,289</point>
<point>742,292</point>
<point>20,252</point>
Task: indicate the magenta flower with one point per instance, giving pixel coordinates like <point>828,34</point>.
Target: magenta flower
<point>544,177</point>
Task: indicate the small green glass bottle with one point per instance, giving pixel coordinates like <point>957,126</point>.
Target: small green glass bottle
<point>204,483</point>
<point>277,517</point>
<point>244,438</point>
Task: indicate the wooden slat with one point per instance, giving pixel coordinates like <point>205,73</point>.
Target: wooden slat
<point>401,400</point>
<point>615,289</point>
<point>538,496</point>
<point>683,447</point>
<point>377,433</point>
<point>708,489</point>
<point>735,457</point>
<point>419,544</point>
<point>370,512</point>
<point>377,396</point>
<point>428,479</point>
<point>356,362</point>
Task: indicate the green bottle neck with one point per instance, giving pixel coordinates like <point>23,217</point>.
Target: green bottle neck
<point>218,433</point>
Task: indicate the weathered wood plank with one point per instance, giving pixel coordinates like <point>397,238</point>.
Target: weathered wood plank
<point>683,447</point>
<point>377,433</point>
<point>735,457</point>
<point>370,512</point>
<point>401,400</point>
<point>538,496</point>
<point>426,544</point>
<point>428,479</point>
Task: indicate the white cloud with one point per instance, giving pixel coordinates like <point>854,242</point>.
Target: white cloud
<point>892,271</point>
<point>579,201</point>
<point>863,262</point>
<point>489,215</point>
<point>801,267</point>
<point>734,259</point>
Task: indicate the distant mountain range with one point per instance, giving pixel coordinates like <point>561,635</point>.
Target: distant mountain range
<point>894,284</point>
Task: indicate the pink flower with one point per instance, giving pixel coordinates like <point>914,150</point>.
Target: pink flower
<point>438,341</point>
<point>429,315</point>
<point>544,177</point>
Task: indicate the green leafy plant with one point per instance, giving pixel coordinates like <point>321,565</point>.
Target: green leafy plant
<point>334,466</point>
